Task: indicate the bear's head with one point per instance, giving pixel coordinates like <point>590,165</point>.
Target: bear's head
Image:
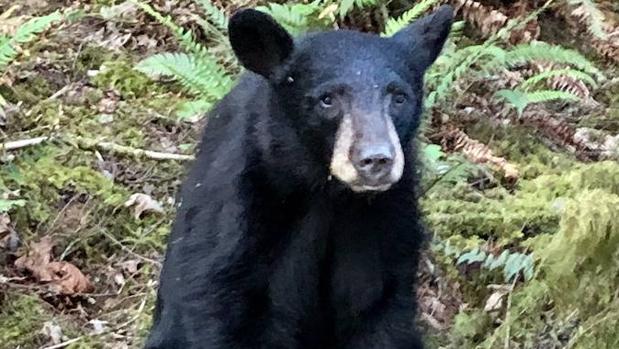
<point>354,99</point>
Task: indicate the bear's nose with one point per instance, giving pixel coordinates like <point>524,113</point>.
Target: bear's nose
<point>375,162</point>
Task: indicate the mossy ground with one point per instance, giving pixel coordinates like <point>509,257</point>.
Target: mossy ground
<point>561,211</point>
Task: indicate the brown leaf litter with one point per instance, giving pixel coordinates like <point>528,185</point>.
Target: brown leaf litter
<point>62,277</point>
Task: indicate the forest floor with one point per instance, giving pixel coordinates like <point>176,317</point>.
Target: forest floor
<point>100,208</point>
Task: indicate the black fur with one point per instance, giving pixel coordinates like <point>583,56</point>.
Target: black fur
<point>267,251</point>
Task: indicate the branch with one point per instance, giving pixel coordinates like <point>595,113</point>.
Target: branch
<point>105,146</point>
<point>22,143</point>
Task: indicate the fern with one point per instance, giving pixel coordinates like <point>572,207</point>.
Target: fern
<point>185,37</point>
<point>572,73</point>
<point>199,70</point>
<point>345,6</point>
<point>452,67</point>
<point>550,53</point>
<point>513,264</point>
<point>520,100</point>
<point>24,34</point>
<point>440,169</point>
<point>215,14</point>
<point>296,18</point>
<point>593,17</point>
<point>193,110</point>
<point>394,25</point>
<point>196,75</point>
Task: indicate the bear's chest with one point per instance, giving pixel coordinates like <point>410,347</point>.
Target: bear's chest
<point>357,276</point>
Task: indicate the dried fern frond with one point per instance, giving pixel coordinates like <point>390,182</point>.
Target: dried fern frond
<point>569,80</point>
<point>608,47</point>
<point>477,152</point>
<point>559,132</point>
<point>604,38</point>
<point>486,19</point>
<point>588,14</point>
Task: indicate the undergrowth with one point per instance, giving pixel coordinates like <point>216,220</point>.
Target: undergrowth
<point>548,241</point>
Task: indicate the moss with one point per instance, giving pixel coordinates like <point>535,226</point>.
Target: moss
<point>469,328</point>
<point>31,90</point>
<point>574,295</point>
<point>21,320</point>
<point>121,76</point>
<point>91,58</point>
<point>506,217</point>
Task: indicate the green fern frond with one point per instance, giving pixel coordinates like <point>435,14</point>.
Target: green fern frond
<point>550,53</point>
<point>550,95</point>
<point>520,99</point>
<point>214,14</point>
<point>296,18</point>
<point>193,110</point>
<point>394,25</point>
<point>572,73</point>
<point>25,34</point>
<point>29,30</point>
<point>593,17</point>
<point>198,76</point>
<point>185,37</point>
<point>512,263</point>
<point>452,66</point>
<point>346,6</point>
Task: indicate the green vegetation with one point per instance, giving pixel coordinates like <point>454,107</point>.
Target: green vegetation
<point>520,187</point>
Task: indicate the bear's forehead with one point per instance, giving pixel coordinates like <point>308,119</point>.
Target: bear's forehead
<point>348,50</point>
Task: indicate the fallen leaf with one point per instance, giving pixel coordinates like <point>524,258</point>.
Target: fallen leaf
<point>62,277</point>
<point>495,301</point>
<point>130,266</point>
<point>143,203</point>
<point>70,279</point>
<point>52,331</point>
<point>9,240</point>
<point>119,279</point>
<point>98,326</point>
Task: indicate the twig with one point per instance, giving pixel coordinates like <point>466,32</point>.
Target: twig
<point>125,150</point>
<point>507,311</point>
<point>60,92</point>
<point>22,143</point>
<point>106,146</point>
<point>123,247</point>
<point>121,149</point>
<point>63,344</point>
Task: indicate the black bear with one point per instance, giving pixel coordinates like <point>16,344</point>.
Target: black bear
<point>298,225</point>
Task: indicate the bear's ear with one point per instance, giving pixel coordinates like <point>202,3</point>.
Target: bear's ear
<point>258,41</point>
<point>425,37</point>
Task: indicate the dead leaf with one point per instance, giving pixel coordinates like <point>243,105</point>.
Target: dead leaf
<point>70,279</point>
<point>62,277</point>
<point>495,301</point>
<point>130,267</point>
<point>98,326</point>
<point>52,331</point>
<point>143,203</point>
<point>8,236</point>
<point>119,279</point>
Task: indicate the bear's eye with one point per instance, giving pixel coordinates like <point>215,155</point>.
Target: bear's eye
<point>326,101</point>
<point>399,98</point>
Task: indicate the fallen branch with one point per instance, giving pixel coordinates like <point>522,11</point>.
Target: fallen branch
<point>105,146</point>
<point>125,150</point>
<point>22,143</point>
